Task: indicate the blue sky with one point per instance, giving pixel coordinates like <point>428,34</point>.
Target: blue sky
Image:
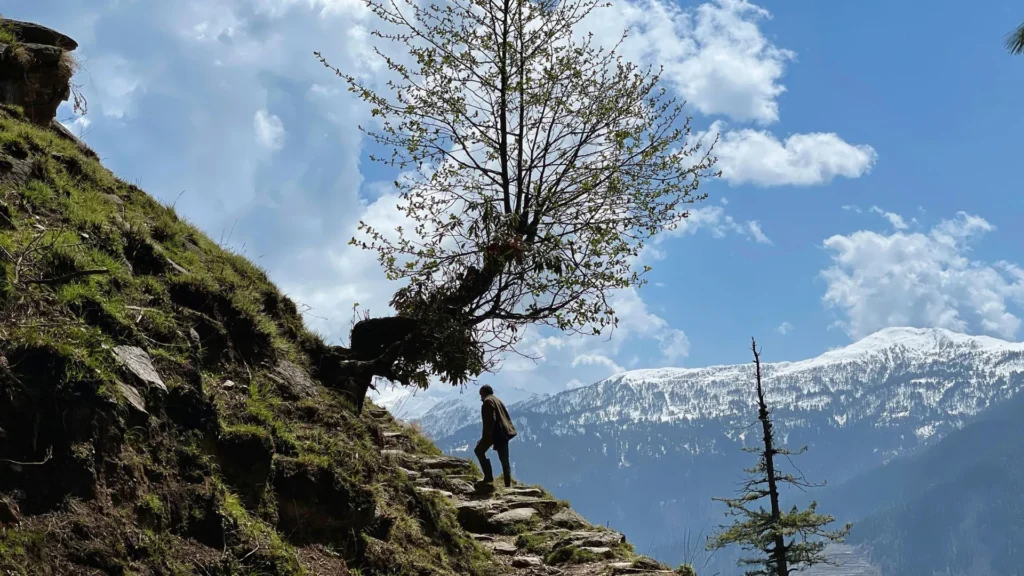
<point>870,150</point>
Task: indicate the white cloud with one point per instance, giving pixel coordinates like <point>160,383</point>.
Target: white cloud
<point>758,157</point>
<point>714,55</point>
<point>755,230</point>
<point>715,220</point>
<point>852,208</point>
<point>896,220</point>
<point>784,328</point>
<point>598,360</point>
<point>573,384</point>
<point>922,279</point>
<point>269,130</point>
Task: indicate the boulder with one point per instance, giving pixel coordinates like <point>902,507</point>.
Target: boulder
<point>526,562</point>
<point>293,382</point>
<point>36,77</point>
<point>568,518</point>
<point>504,548</point>
<point>137,362</point>
<point>444,463</point>
<point>533,492</point>
<point>459,486</point>
<point>412,474</point>
<point>35,73</point>
<point>601,551</point>
<point>512,517</point>
<point>132,397</point>
<point>36,34</point>
<point>474,516</point>
<point>540,504</point>
<point>591,539</point>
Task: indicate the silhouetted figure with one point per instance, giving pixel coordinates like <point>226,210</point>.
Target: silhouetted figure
<point>497,431</point>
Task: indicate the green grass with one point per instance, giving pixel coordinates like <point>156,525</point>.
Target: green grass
<point>167,503</point>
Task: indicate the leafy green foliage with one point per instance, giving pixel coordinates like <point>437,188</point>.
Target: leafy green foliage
<point>534,166</point>
<point>784,541</point>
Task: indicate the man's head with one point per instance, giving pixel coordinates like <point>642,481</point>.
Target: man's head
<point>486,391</point>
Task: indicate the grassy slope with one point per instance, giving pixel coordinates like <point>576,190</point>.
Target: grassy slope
<point>216,479</point>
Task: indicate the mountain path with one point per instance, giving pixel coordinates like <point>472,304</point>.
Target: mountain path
<point>526,530</point>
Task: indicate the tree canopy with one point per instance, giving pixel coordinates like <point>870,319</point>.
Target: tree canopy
<point>534,163</point>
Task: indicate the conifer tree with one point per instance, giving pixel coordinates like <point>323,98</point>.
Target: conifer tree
<point>782,542</point>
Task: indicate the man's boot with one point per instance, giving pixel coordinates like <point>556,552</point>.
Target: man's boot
<point>508,477</point>
<point>485,465</point>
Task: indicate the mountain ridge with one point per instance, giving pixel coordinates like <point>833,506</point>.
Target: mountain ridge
<point>665,441</point>
<point>890,344</point>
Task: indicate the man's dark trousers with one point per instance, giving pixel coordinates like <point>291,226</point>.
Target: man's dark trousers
<point>501,447</point>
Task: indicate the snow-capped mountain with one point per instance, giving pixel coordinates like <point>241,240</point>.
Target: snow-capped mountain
<point>448,409</point>
<point>933,377</point>
<point>648,448</point>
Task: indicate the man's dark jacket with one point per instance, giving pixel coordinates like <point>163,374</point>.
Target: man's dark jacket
<point>495,416</point>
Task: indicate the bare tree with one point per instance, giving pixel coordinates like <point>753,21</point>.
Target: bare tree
<point>784,542</point>
<point>534,166</point>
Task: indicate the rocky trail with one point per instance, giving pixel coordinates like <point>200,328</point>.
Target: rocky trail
<point>526,529</point>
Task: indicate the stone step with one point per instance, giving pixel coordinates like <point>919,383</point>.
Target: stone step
<point>488,517</point>
<point>534,492</point>
<point>526,562</point>
<point>377,413</point>
<point>543,505</point>
<point>503,548</point>
<point>412,474</point>
<point>591,539</point>
<point>623,571</point>
<point>429,490</point>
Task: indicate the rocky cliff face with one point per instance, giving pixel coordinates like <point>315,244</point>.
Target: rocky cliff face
<point>35,68</point>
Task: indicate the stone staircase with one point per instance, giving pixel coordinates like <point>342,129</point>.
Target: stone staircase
<point>524,527</point>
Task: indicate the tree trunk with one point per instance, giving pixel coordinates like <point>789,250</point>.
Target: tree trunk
<point>779,550</point>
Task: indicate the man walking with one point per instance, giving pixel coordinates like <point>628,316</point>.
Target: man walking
<point>497,431</point>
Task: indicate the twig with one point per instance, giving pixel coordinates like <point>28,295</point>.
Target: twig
<point>70,276</point>
<point>49,454</point>
<point>250,553</point>
<point>17,265</point>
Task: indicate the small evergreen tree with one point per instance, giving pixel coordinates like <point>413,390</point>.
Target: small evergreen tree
<point>784,542</point>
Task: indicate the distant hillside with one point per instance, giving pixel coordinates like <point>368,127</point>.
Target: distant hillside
<point>955,509</point>
<point>648,449</point>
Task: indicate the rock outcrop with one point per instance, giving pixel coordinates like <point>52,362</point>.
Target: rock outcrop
<point>35,68</point>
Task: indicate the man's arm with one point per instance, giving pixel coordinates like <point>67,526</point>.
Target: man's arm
<point>487,416</point>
